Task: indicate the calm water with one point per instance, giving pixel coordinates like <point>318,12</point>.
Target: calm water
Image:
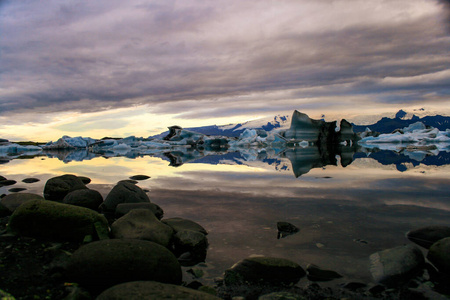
<point>344,214</point>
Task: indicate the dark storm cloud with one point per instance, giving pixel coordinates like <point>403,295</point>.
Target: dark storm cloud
<point>219,58</point>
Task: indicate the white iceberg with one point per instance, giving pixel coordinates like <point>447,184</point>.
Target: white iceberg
<point>415,135</point>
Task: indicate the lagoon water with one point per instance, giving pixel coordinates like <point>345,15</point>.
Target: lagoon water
<point>344,213</point>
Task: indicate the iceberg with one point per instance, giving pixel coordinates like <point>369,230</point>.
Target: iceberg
<point>414,137</point>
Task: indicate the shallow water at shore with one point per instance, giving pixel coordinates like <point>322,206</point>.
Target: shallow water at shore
<point>344,214</point>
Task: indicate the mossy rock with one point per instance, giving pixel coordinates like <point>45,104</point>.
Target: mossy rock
<point>100,265</point>
<point>13,201</point>
<point>56,221</point>
<point>138,290</point>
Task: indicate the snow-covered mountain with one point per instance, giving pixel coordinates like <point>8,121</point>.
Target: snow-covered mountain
<point>403,119</point>
<point>404,114</point>
<point>234,130</point>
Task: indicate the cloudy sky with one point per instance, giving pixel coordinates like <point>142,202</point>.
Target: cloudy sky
<point>117,68</point>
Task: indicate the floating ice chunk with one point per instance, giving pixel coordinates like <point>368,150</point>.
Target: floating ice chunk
<point>121,147</point>
<point>304,144</point>
<point>415,126</point>
<point>16,148</point>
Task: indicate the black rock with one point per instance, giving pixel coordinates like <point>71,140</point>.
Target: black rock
<point>16,190</point>
<point>30,180</point>
<point>314,273</point>
<point>124,208</point>
<point>286,229</point>
<point>57,188</point>
<point>439,255</point>
<point>85,198</point>
<point>259,269</point>
<point>427,236</point>
<point>139,177</point>
<point>84,179</point>
<point>7,182</point>
<point>394,266</point>
<point>123,192</point>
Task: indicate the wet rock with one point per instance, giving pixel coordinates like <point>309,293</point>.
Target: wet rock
<point>123,192</point>
<point>180,224</point>
<point>16,190</point>
<point>193,242</point>
<point>396,265</point>
<point>439,255</point>
<point>85,198</point>
<point>262,269</point>
<point>57,188</point>
<point>124,208</point>
<point>84,179</point>
<point>7,182</point>
<point>100,265</point>
<point>129,181</point>
<point>30,180</point>
<point>56,221</point>
<point>142,224</point>
<point>138,290</point>
<point>139,177</point>
<point>314,273</point>
<point>281,296</point>
<point>427,236</point>
<point>13,201</point>
<point>2,178</point>
<point>286,229</point>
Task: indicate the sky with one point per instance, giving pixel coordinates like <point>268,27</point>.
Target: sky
<point>119,68</point>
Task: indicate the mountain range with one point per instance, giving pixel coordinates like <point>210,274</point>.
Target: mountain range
<point>388,125</point>
<point>384,124</point>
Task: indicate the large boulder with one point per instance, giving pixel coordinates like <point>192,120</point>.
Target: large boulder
<point>57,221</point>
<point>262,269</point>
<point>123,192</point>
<point>439,255</point>
<point>180,224</point>
<point>124,208</point>
<point>142,224</point>
<point>427,236</point>
<point>138,290</point>
<point>85,198</point>
<point>13,201</point>
<point>100,265</point>
<point>57,188</point>
<point>396,265</point>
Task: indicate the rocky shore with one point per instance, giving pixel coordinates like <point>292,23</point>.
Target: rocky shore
<point>70,243</point>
